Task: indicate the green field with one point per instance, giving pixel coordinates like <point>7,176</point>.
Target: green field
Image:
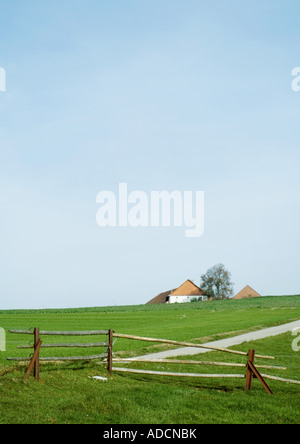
<point>68,394</point>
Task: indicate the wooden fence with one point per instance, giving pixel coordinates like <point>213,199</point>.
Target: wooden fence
<point>38,344</point>
<point>251,370</point>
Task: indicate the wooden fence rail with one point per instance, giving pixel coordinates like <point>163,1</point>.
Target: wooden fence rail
<point>187,344</point>
<point>62,358</point>
<point>205,363</point>
<point>62,333</point>
<point>72,345</point>
<point>186,375</point>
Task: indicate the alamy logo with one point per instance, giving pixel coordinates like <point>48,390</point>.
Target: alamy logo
<point>156,209</point>
<point>296,341</point>
<point>2,79</point>
<point>2,340</point>
<point>296,81</point>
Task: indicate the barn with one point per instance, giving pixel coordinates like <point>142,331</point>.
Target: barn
<point>187,292</point>
<point>247,293</point>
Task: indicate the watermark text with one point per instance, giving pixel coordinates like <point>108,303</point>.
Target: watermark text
<point>296,80</point>
<point>296,341</point>
<point>2,340</point>
<point>2,79</point>
<point>155,209</point>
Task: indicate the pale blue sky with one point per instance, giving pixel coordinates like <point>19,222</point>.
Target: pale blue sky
<point>163,95</point>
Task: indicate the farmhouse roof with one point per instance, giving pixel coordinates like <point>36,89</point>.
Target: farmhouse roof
<point>247,293</point>
<point>188,288</point>
<point>161,298</point>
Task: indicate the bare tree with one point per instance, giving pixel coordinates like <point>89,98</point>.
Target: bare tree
<point>216,282</point>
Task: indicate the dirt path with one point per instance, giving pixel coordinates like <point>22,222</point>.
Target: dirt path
<point>225,343</point>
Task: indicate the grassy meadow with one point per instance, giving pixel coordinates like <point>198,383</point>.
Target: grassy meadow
<point>68,394</point>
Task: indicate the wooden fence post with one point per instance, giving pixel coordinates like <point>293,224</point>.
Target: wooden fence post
<point>37,361</point>
<point>260,378</point>
<point>110,351</point>
<point>252,372</point>
<point>33,360</point>
<point>249,374</point>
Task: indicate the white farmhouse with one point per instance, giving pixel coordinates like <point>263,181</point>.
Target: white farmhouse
<point>187,292</point>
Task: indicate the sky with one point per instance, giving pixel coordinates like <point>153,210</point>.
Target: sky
<point>160,95</point>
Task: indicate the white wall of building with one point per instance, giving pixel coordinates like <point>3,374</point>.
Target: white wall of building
<point>182,299</point>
